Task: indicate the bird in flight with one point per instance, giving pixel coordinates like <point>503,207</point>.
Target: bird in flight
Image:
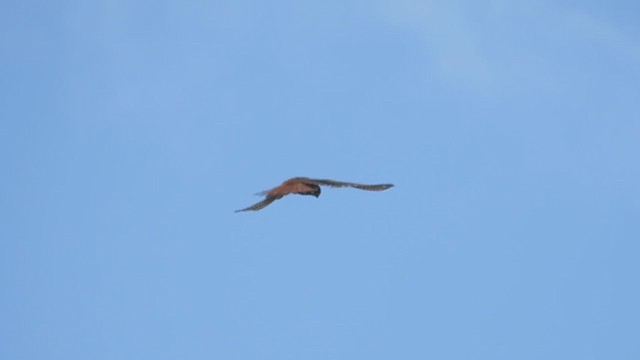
<point>306,186</point>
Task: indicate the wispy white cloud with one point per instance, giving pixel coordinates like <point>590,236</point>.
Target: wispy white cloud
<point>606,33</point>
<point>496,46</point>
<point>445,28</point>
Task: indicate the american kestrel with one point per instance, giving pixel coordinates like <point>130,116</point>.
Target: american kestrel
<point>306,186</point>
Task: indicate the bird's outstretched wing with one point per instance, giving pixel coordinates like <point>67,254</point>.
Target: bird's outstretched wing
<point>260,205</point>
<point>332,183</point>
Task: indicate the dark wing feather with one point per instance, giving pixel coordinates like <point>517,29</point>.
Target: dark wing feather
<point>332,183</point>
<point>260,205</point>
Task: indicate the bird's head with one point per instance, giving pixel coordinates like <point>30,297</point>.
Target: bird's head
<point>316,190</point>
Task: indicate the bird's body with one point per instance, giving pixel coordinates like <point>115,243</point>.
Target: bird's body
<point>306,186</point>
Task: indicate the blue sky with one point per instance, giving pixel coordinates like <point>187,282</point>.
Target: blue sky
<point>131,131</point>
